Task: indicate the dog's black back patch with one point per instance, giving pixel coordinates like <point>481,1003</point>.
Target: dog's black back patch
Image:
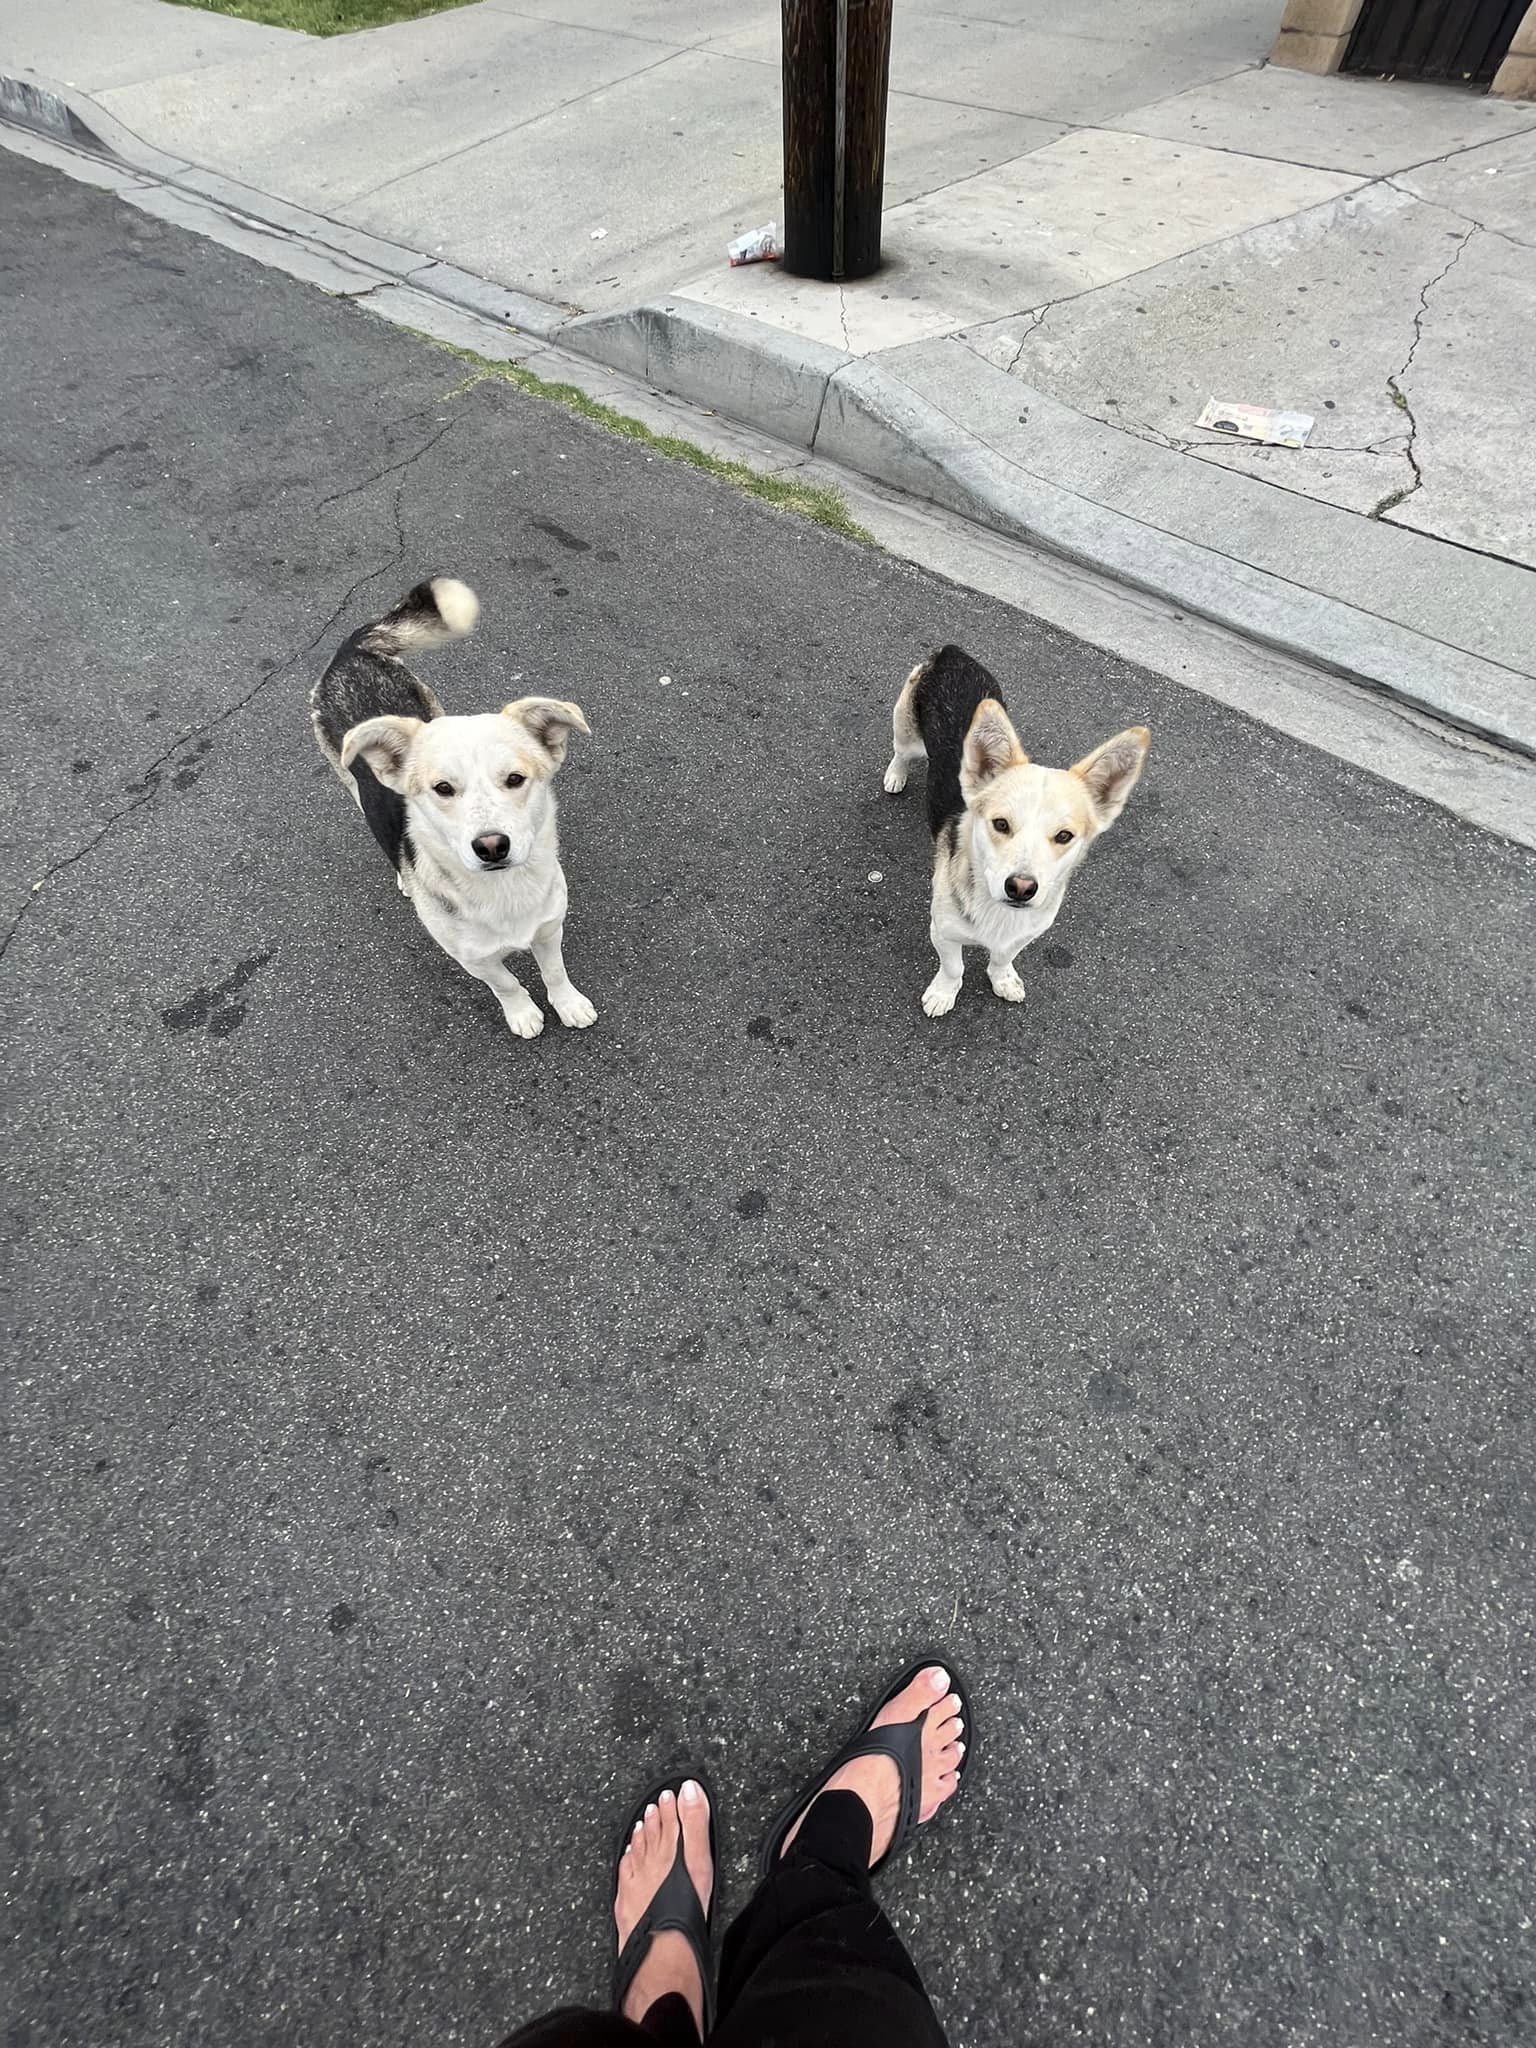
<point>944,703</point>
<point>385,811</point>
<point>359,685</point>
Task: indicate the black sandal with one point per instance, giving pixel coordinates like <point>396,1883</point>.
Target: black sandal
<point>902,1742</point>
<point>676,1908</point>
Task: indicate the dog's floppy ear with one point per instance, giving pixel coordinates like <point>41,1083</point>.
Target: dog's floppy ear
<point>1110,771</point>
<point>991,745</point>
<point>548,722</point>
<point>385,744</point>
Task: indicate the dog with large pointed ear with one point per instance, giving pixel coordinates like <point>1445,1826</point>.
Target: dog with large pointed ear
<point>462,806</point>
<point>549,723</point>
<point>1009,834</point>
<point>1112,771</point>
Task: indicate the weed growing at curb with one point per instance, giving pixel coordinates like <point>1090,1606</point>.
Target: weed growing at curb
<point>809,501</point>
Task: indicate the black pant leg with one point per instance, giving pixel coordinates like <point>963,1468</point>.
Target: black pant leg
<point>576,2026</point>
<point>812,1962</point>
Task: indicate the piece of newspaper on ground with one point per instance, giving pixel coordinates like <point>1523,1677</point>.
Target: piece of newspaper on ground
<point>1257,423</point>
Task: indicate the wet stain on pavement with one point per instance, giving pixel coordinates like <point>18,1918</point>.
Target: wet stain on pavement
<point>571,541</point>
<point>211,1006</point>
<point>115,448</point>
<point>639,1705</point>
<point>191,1780</point>
<point>915,1417</point>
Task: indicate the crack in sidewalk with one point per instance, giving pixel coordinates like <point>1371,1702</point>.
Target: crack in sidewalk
<point>150,781</point>
<point>1037,321</point>
<point>1457,212</point>
<point>1400,398</point>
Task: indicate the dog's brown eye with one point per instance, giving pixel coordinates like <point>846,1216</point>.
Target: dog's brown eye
<point>1001,827</point>
<point>1063,837</point>
<point>516,781</point>
<point>443,788</point>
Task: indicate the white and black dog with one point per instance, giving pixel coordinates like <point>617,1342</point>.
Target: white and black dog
<point>462,806</point>
<point>1008,834</point>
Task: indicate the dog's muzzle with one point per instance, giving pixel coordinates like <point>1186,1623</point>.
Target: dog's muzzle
<point>491,849</point>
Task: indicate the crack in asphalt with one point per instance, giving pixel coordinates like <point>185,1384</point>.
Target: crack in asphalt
<point>151,781</point>
<point>390,469</point>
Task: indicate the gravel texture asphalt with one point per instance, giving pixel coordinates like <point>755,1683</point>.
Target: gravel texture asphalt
<point>420,1434</point>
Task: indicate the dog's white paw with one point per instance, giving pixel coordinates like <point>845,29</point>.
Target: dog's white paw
<point>400,883</point>
<point>896,776</point>
<point>939,997</point>
<point>1008,986</point>
<point>575,1009</point>
<point>525,1019</point>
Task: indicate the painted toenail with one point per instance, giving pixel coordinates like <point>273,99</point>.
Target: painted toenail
<point>953,1703</point>
<point>691,1793</point>
<point>666,1798</point>
<point>960,1746</point>
<point>938,1679</point>
<point>650,1809</point>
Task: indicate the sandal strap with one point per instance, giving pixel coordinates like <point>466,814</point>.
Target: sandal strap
<point>676,1908</point>
<point>901,1741</point>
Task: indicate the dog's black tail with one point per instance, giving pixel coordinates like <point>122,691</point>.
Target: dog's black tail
<point>442,609</point>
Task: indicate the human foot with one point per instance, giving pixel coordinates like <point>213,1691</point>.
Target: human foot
<point>669,1964</point>
<point>877,1779</point>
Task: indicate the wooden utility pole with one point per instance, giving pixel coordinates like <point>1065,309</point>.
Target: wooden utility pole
<point>837,69</point>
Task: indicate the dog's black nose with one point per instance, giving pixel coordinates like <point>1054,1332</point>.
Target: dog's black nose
<point>1020,887</point>
<point>494,846</point>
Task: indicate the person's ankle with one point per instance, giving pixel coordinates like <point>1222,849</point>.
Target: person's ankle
<point>670,1969</point>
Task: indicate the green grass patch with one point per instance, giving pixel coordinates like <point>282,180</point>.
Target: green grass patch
<point>323,17</point>
<point>809,501</point>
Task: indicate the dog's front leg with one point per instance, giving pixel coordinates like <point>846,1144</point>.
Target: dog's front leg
<point>522,1013</point>
<point>939,995</point>
<point>571,1006</point>
<point>1004,978</point>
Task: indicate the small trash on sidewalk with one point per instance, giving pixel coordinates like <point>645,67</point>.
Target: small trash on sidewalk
<point>598,235</point>
<point>760,246</point>
<point>1257,423</point>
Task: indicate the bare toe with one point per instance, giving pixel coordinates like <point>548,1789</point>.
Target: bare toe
<point>693,1813</point>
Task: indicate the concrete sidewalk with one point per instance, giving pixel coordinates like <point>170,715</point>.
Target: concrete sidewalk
<point>1088,234</point>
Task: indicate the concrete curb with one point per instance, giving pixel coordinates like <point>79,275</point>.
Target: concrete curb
<point>848,410</point>
<point>74,118</point>
<point>31,104</point>
<point>854,412</point>
<point>760,376</point>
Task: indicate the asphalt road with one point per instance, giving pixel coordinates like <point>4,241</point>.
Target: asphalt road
<point>420,1434</point>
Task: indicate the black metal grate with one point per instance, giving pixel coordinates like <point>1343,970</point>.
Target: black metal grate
<point>1463,41</point>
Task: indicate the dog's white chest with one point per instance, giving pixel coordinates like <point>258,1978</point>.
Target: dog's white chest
<point>1003,929</point>
<point>496,913</point>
